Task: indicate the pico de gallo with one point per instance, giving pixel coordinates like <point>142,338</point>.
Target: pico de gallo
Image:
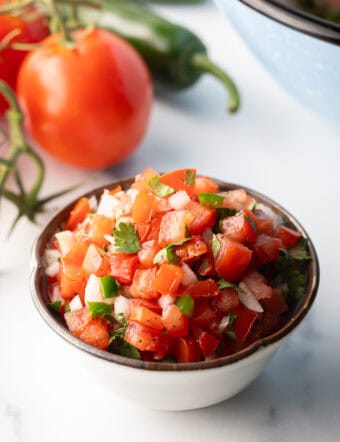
<point>174,269</point>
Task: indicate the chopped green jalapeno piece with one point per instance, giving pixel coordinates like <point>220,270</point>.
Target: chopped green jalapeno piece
<point>186,305</point>
<point>99,309</point>
<point>109,285</point>
<point>67,308</point>
<point>55,306</point>
<point>210,199</point>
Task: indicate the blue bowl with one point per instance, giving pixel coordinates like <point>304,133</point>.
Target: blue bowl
<point>300,50</point>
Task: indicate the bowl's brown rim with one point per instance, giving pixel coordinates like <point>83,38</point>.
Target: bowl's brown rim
<point>297,19</point>
<point>37,275</point>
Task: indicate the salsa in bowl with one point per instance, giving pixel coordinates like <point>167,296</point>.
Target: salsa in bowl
<point>172,273</point>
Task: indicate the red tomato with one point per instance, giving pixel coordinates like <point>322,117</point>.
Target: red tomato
<point>142,180</point>
<point>71,278</point>
<point>244,322</point>
<point>203,217</point>
<point>288,236</point>
<point>241,228</point>
<point>146,317</point>
<point>79,212</point>
<point>203,289</point>
<point>151,305</point>
<point>96,333</point>
<point>267,248</point>
<point>263,223</point>
<point>227,301</point>
<point>257,284</point>
<point>203,315</point>
<point>192,249</point>
<point>168,279</point>
<point>123,267</point>
<point>186,350</point>
<point>207,342</point>
<point>204,184</point>
<point>276,303</point>
<point>89,114</point>
<point>175,322</point>
<point>32,27</point>
<point>143,207</point>
<point>207,266</point>
<point>99,226</point>
<point>146,338</point>
<point>232,259</point>
<point>180,179</point>
<point>142,284</point>
<point>173,227</point>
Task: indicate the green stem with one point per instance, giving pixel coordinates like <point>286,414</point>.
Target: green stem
<point>202,63</point>
<point>56,16</point>
<point>11,8</point>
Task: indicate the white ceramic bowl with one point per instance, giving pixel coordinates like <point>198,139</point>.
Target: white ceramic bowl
<point>173,386</point>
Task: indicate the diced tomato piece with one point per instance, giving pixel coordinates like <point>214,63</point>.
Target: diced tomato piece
<point>146,317</point>
<point>173,227</point>
<point>123,267</point>
<point>276,303</point>
<point>146,338</point>
<point>232,259</point>
<point>203,217</point>
<point>257,284</point>
<point>267,248</point>
<point>180,179</point>
<point>115,190</point>
<point>236,199</point>
<point>143,207</point>
<point>79,212</point>
<point>143,231</point>
<point>151,305</point>
<point>104,268</point>
<point>175,322</point>
<point>148,252</point>
<point>241,228</point>
<point>155,226</point>
<point>245,319</point>
<point>207,343</point>
<point>204,184</point>
<point>99,226</point>
<point>207,266</point>
<point>142,284</point>
<point>288,236</point>
<point>77,319</point>
<point>186,350</point>
<point>142,180</point>
<point>203,289</point>
<point>203,315</point>
<point>264,223</point>
<point>71,277</point>
<point>227,301</point>
<point>168,279</point>
<point>96,333</point>
<point>194,248</point>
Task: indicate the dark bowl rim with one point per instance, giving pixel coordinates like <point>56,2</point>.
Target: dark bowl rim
<point>37,270</point>
<point>297,19</point>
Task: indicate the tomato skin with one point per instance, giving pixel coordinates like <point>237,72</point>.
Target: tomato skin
<point>142,284</point>
<point>32,27</point>
<point>186,350</point>
<point>238,228</point>
<point>173,227</point>
<point>244,322</point>
<point>203,217</point>
<point>207,342</point>
<point>227,301</point>
<point>176,324</point>
<point>168,279</point>
<point>71,277</point>
<point>257,284</point>
<point>267,248</point>
<point>276,303</point>
<point>146,339</point>
<point>203,289</point>
<point>146,317</point>
<point>100,109</point>
<point>288,236</point>
<point>192,249</point>
<point>79,212</point>
<point>204,184</point>
<point>203,315</point>
<point>232,259</point>
<point>147,303</point>
<point>263,223</point>
<point>99,226</point>
<point>143,207</point>
<point>177,179</point>
<point>123,267</point>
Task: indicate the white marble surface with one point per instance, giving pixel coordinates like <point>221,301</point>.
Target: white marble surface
<point>273,145</point>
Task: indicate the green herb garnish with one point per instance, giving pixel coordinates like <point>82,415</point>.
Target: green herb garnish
<point>223,284</point>
<point>186,304</point>
<point>109,286</point>
<point>190,177</point>
<point>299,251</point>
<point>55,306</point>
<point>99,309</point>
<point>211,199</point>
<point>160,189</point>
<point>168,253</point>
<point>67,308</point>
<point>117,344</point>
<point>230,328</point>
<point>126,238</point>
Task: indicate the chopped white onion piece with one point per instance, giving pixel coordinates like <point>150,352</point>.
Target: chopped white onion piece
<point>179,200</point>
<point>224,323</point>
<point>53,269</point>
<point>65,240</point>
<point>93,291</point>
<point>109,205</point>
<point>56,295</point>
<point>166,300</point>
<point>92,260</point>
<point>123,219</point>
<point>51,256</point>
<point>93,203</point>
<point>248,299</point>
<point>132,193</point>
<point>277,219</point>
<point>109,238</point>
<point>189,275</point>
<point>122,306</point>
<point>75,304</point>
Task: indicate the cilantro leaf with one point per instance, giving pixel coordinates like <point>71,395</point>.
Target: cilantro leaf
<point>119,346</point>
<point>161,190</point>
<point>223,284</point>
<point>299,251</point>
<point>67,308</point>
<point>215,245</point>
<point>126,238</point>
<point>99,309</point>
<point>190,177</point>
<point>168,253</point>
<point>296,282</point>
<point>55,306</point>
<point>211,199</point>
